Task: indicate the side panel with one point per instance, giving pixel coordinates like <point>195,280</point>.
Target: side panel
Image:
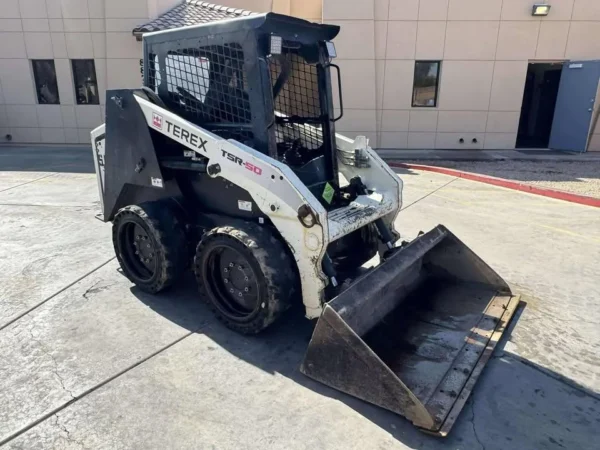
<point>216,195</point>
<point>575,106</point>
<point>130,159</point>
<point>275,189</point>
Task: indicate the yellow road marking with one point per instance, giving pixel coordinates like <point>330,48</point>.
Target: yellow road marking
<point>571,233</point>
<point>549,227</point>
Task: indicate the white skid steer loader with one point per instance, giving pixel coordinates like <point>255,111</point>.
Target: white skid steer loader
<point>227,160</point>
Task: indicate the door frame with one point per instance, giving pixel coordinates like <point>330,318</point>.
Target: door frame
<point>557,62</point>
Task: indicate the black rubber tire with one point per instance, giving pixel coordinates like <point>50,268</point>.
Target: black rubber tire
<point>271,264</point>
<point>161,223</point>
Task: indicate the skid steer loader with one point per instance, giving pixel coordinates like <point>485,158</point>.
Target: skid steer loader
<point>227,160</point>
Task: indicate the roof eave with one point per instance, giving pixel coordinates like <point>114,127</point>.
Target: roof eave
<point>138,33</point>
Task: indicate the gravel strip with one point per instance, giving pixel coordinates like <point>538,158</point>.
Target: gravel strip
<point>576,177</point>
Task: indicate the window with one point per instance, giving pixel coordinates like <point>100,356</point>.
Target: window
<point>205,85</point>
<point>425,87</point>
<point>86,85</point>
<point>44,74</point>
<point>185,72</point>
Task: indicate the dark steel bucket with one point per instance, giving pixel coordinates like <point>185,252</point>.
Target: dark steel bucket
<point>414,334</point>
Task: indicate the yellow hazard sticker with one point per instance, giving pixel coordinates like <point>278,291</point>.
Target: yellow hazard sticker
<point>328,193</point>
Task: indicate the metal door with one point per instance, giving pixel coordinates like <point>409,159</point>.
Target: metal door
<point>575,106</point>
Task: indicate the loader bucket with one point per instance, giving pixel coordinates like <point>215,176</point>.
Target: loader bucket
<point>414,334</point>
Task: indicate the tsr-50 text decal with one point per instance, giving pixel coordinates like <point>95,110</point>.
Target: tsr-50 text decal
<point>236,159</point>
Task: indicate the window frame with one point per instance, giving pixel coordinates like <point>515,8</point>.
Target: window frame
<point>95,80</point>
<point>36,81</point>
<point>437,83</point>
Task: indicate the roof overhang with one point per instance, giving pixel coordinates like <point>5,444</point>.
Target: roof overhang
<point>208,18</point>
<point>189,13</point>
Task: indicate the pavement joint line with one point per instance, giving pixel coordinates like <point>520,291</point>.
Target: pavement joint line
<point>85,393</point>
<point>460,202</point>
<point>54,295</point>
<point>76,398</point>
<point>28,182</point>
<point>428,194</point>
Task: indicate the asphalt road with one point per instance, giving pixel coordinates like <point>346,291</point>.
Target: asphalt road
<point>88,361</point>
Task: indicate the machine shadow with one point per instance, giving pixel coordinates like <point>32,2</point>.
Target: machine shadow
<point>46,159</point>
<point>509,411</point>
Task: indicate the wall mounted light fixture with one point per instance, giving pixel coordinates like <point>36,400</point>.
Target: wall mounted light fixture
<point>540,10</point>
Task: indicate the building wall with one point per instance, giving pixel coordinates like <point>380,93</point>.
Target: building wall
<point>484,46</point>
<point>63,30</point>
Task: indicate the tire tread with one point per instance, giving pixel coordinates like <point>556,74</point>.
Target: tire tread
<point>277,269</point>
<point>166,229</point>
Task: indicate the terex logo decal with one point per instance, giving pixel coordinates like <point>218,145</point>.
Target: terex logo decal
<point>157,120</point>
<point>187,136</point>
<point>236,159</point>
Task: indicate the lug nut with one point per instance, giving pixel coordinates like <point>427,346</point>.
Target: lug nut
<point>137,253</point>
<point>241,267</point>
<point>138,237</point>
<point>135,244</point>
<point>225,270</point>
<point>231,290</point>
<point>148,245</point>
<point>230,264</point>
<point>246,289</point>
<point>246,278</point>
<point>226,280</point>
<point>239,294</point>
<point>147,260</point>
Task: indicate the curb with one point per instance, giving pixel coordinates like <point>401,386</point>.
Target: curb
<point>515,185</point>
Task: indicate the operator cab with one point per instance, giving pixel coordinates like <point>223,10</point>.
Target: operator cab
<point>262,80</point>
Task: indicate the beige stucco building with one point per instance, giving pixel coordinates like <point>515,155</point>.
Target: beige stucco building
<point>416,73</point>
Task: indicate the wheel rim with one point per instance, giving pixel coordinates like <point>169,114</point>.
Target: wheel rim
<point>232,282</point>
<point>138,251</point>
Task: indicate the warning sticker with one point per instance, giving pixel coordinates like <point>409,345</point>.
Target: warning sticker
<point>328,192</point>
<point>244,206</point>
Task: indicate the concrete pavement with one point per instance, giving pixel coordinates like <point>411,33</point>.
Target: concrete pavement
<point>97,364</point>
